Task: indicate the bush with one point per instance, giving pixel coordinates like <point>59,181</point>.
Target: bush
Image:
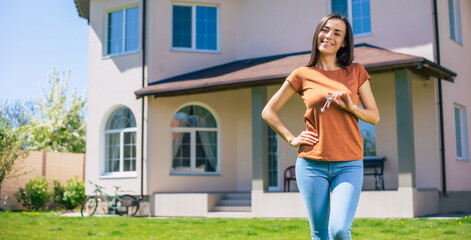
<point>58,193</point>
<point>35,195</point>
<point>71,195</point>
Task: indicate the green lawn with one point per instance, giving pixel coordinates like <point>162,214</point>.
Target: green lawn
<point>43,225</point>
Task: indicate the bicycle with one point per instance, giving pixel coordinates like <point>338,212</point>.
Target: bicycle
<point>125,204</point>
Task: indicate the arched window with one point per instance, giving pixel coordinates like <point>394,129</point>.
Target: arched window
<point>194,141</point>
<point>120,138</point>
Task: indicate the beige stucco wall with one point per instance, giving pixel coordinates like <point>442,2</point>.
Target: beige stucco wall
<point>185,204</point>
<point>402,203</point>
<point>232,109</point>
<point>271,32</point>
<point>412,34</point>
<point>425,130</point>
<point>276,26</point>
<point>426,134</point>
<point>383,87</point>
<point>112,81</point>
<point>457,58</point>
<point>282,27</point>
<point>166,62</point>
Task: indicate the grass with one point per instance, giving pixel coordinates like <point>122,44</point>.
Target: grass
<point>47,225</point>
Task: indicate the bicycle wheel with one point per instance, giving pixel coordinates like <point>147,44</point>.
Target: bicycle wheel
<point>128,205</point>
<point>89,206</point>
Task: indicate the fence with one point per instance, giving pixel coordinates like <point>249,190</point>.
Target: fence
<point>51,165</point>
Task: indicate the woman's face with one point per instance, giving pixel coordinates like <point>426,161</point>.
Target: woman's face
<point>331,37</point>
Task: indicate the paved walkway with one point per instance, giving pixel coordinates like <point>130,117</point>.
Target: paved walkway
<point>77,214</point>
<point>447,216</point>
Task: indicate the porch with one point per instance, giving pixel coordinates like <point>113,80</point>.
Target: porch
<point>401,203</point>
<point>407,135</point>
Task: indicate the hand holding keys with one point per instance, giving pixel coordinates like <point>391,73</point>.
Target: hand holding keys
<point>327,103</point>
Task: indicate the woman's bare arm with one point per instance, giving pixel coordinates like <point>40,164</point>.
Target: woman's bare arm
<point>269,114</point>
<point>369,113</point>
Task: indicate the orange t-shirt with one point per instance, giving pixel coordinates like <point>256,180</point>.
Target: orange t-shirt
<point>338,131</point>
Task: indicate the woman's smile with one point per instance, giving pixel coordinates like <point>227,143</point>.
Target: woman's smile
<point>331,37</point>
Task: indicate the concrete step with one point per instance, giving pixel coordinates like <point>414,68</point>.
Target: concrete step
<point>232,209</point>
<point>238,196</point>
<point>236,202</point>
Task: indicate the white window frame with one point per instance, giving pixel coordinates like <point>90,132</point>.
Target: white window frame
<point>350,17</point>
<point>193,29</point>
<point>374,127</point>
<point>192,132</point>
<point>456,22</point>
<point>106,32</point>
<point>121,151</point>
<point>102,165</point>
<point>463,132</point>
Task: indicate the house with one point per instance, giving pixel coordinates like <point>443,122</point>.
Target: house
<point>176,89</point>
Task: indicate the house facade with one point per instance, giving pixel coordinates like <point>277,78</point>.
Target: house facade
<point>176,89</point>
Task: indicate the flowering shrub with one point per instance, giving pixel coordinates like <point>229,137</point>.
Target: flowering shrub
<point>71,195</point>
<point>35,195</point>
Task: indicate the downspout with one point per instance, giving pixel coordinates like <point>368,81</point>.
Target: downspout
<point>143,98</point>
<point>440,100</point>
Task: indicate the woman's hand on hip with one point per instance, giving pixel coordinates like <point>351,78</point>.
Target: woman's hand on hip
<point>305,137</point>
<point>342,99</point>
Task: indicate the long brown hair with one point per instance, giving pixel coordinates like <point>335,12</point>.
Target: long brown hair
<point>344,54</point>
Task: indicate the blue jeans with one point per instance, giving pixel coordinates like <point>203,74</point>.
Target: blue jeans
<point>331,191</point>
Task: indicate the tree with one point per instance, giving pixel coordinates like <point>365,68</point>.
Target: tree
<point>15,112</point>
<point>12,140</point>
<point>50,123</point>
<point>56,124</point>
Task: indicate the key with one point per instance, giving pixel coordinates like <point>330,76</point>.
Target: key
<point>327,103</point>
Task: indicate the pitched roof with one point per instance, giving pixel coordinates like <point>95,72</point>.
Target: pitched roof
<point>274,69</point>
<point>83,8</point>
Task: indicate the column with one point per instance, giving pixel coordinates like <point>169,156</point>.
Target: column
<point>405,129</point>
<point>259,141</point>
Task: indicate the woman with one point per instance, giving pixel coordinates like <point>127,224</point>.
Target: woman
<point>329,167</point>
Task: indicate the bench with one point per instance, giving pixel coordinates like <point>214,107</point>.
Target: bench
<point>374,166</point>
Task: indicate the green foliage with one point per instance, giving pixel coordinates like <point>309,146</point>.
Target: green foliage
<point>55,124</point>
<point>70,196</point>
<point>12,137</point>
<point>58,193</point>
<point>50,123</point>
<point>35,195</point>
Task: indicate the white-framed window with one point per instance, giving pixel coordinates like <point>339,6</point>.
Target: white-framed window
<point>195,142</point>
<point>195,27</point>
<point>120,143</point>
<point>461,132</point>
<point>273,163</point>
<point>368,132</point>
<point>454,14</point>
<point>123,31</point>
<point>357,12</point>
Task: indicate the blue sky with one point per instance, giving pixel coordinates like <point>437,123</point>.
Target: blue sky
<point>35,37</point>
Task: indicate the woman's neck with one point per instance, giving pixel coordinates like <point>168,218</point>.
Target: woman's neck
<point>327,63</point>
